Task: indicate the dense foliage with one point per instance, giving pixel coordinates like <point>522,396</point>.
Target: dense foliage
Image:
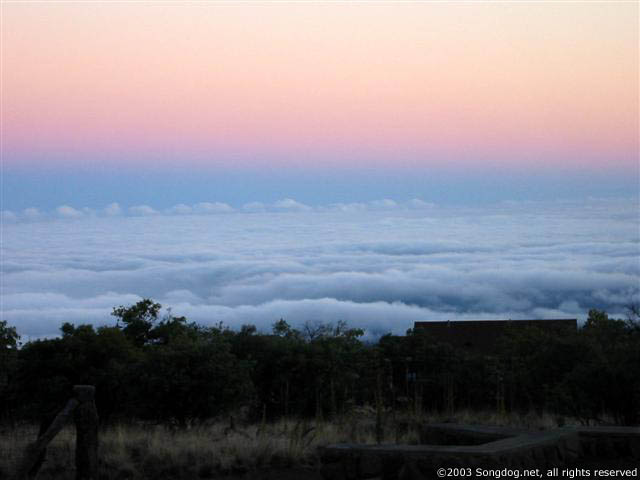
<point>170,370</point>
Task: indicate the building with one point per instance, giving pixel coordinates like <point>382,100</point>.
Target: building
<point>482,336</point>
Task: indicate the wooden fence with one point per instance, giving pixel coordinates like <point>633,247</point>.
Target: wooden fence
<point>82,409</point>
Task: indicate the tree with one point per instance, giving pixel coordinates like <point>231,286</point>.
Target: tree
<point>191,378</point>
<point>9,340</point>
<point>282,329</point>
<point>49,368</point>
<point>604,378</point>
<point>9,337</point>
<point>138,320</point>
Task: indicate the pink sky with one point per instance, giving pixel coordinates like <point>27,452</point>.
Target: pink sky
<point>520,85</point>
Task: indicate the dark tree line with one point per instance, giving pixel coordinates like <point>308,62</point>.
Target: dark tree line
<point>171,370</point>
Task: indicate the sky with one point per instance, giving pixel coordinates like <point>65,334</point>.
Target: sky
<point>152,140</point>
<point>106,101</point>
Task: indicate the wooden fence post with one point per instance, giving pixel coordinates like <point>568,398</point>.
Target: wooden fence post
<point>83,408</point>
<point>29,467</point>
<point>86,419</point>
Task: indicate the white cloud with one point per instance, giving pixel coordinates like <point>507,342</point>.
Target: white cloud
<point>180,209</point>
<point>142,210</point>
<point>290,204</point>
<point>384,204</point>
<point>216,207</point>
<point>348,207</point>
<point>378,269</point>
<point>31,213</point>
<point>419,204</point>
<point>112,210</point>
<point>66,211</point>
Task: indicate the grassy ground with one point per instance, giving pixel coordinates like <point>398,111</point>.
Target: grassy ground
<point>217,450</point>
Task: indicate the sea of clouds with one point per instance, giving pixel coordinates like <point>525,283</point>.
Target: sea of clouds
<point>379,265</point>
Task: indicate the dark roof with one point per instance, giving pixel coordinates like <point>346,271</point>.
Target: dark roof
<point>483,335</point>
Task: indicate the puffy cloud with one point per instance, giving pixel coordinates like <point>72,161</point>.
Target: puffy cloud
<point>66,211</point>
<point>384,204</point>
<point>112,210</point>
<point>290,204</point>
<point>216,207</point>
<point>142,210</point>
<point>180,209</point>
<point>417,203</point>
<point>380,270</point>
<point>348,207</point>
<point>31,213</point>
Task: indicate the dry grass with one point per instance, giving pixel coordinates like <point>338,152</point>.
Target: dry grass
<point>211,451</point>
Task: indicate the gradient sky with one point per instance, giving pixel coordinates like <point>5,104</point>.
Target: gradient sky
<point>378,163</point>
<point>259,100</point>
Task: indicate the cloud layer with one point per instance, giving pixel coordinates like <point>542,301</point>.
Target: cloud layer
<point>380,266</point>
<point>203,208</point>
